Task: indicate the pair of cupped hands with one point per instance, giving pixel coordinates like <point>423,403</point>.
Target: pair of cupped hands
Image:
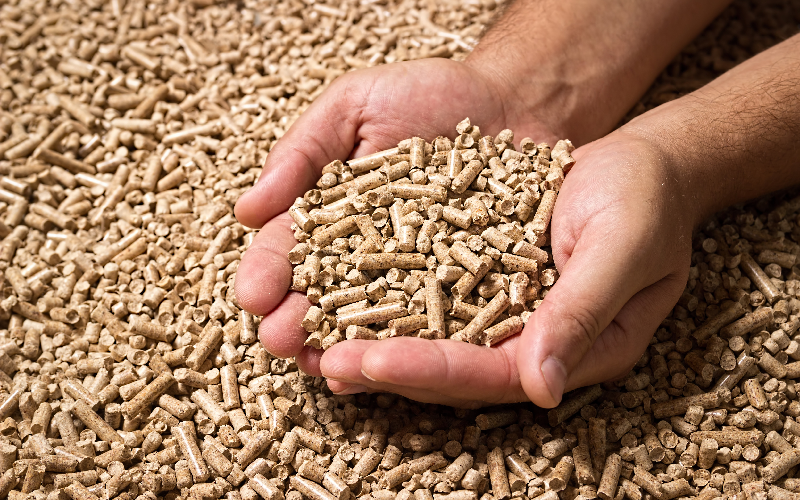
<point>620,232</point>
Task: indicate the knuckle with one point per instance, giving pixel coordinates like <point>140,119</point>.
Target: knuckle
<point>582,324</point>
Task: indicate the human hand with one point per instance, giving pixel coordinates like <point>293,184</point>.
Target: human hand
<point>621,236</point>
<point>362,112</point>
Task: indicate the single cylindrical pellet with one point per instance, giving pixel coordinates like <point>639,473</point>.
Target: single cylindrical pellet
<point>339,229</point>
<point>759,278</point>
<point>336,486</point>
<point>781,465</point>
<point>750,322</point>
<point>755,394</point>
<point>543,213</point>
<point>407,324</point>
<point>572,405</point>
<point>474,329</point>
<point>582,459</point>
<point>449,274</point>
<point>434,308</point>
<point>94,422</point>
<point>478,212</point>
<point>258,442</point>
<point>729,438</point>
<point>468,259</point>
<point>515,263</point>
<point>501,331</point>
<point>723,318</point>
<point>454,163</point>
<point>187,440</point>
<point>216,460</point>
<point>456,470</point>
<point>417,191</point>
<point>648,482</point>
<point>310,489</point>
<point>265,488</point>
<point>730,379</point>
<point>498,475</point>
<point>372,315</point>
<point>18,283</point>
<point>468,281</point>
<point>211,338</point>
<point>70,164</point>
<point>209,406</point>
<point>390,260</point>
<point>561,473</point>
<point>610,477</point>
<point>148,395</point>
<point>465,177</point>
<point>497,239</point>
<point>679,406</point>
<point>707,453</point>
<point>406,240</point>
<point>456,217</point>
<point>342,297</point>
<point>41,418</point>
<point>771,365</point>
<point>417,153</point>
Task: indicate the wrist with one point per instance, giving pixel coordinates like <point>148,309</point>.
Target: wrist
<point>579,66</point>
<point>528,96</point>
<point>678,167</point>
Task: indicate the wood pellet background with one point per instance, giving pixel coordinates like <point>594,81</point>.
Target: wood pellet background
<point>127,132</point>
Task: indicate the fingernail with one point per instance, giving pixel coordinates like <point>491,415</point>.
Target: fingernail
<point>555,376</point>
<point>352,389</point>
<point>367,375</point>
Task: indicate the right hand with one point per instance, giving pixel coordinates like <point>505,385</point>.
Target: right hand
<point>360,113</point>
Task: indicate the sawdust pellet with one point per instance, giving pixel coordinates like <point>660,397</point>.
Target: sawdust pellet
<point>121,156</point>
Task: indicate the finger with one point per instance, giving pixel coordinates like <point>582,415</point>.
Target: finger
<point>421,395</point>
<point>444,369</point>
<point>324,132</point>
<point>280,331</point>
<point>623,338</point>
<point>308,360</point>
<point>265,274</point>
<point>596,281</point>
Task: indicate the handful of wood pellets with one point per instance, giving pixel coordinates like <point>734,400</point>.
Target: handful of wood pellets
<point>435,240</point>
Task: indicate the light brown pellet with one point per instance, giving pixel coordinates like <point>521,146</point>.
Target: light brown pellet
<point>372,315</point>
<point>94,422</point>
<point>759,278</point>
<point>503,330</point>
<point>148,395</point>
<point>610,477</point>
<point>572,405</point>
<point>187,440</point>
<point>171,115</point>
<point>468,259</point>
<point>390,261</point>
<point>497,474</point>
<point>475,328</point>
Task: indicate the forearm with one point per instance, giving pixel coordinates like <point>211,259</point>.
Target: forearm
<point>736,138</point>
<point>580,65</point>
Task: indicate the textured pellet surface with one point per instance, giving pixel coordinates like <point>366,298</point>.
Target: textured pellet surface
<point>128,129</point>
<point>443,250</point>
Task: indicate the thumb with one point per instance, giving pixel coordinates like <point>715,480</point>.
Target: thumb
<point>596,282</point>
<point>326,131</point>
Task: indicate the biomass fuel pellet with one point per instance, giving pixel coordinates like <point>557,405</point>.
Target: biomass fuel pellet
<point>129,129</point>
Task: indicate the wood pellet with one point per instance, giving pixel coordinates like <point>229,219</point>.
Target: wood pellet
<point>128,129</point>
<point>445,256</point>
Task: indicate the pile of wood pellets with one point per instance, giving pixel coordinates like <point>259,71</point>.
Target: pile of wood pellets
<point>478,195</point>
<point>128,129</point>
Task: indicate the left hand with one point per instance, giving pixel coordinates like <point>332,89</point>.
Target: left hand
<point>621,239</point>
